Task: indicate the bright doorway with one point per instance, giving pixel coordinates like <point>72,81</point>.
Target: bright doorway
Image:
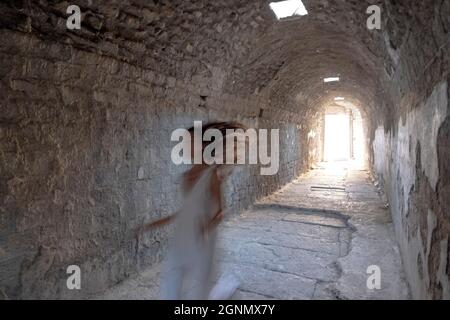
<point>337,137</point>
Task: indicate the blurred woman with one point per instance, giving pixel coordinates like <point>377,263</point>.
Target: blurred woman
<point>188,264</point>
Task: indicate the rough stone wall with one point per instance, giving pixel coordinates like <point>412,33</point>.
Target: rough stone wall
<point>410,149</point>
<point>85,158</point>
<point>413,162</point>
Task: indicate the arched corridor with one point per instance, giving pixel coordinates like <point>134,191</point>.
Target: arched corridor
<point>86,155</point>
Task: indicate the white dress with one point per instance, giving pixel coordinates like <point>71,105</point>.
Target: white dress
<point>188,265</point>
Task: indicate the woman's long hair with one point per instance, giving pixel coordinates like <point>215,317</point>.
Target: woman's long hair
<point>221,126</point>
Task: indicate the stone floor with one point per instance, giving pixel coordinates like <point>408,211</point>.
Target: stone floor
<point>313,239</point>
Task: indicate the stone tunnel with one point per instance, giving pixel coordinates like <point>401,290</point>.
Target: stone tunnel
<point>87,115</point>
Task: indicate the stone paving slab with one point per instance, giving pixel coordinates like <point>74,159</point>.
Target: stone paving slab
<point>308,264</point>
<point>270,283</point>
<point>315,220</point>
<point>287,240</point>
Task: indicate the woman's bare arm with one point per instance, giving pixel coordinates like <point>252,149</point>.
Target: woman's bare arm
<point>159,223</point>
<point>155,224</point>
<point>186,185</point>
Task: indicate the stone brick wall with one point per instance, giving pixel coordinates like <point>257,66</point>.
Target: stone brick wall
<point>85,158</point>
<point>410,148</point>
<point>412,163</point>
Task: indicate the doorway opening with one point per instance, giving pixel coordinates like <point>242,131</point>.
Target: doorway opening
<point>343,135</point>
<point>337,137</point>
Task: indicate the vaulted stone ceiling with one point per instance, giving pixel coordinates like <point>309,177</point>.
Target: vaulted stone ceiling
<point>285,61</point>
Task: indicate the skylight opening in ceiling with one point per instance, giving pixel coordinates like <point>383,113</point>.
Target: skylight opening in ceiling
<point>331,79</point>
<point>288,8</point>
